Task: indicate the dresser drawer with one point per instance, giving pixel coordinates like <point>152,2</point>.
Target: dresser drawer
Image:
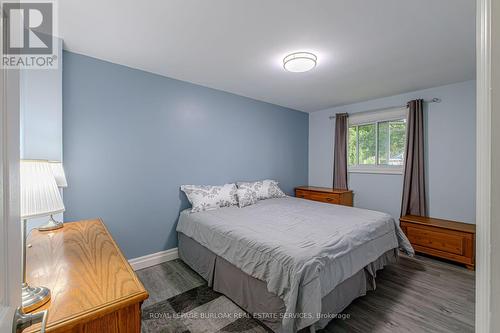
<point>302,194</point>
<point>322,194</point>
<point>322,197</point>
<point>440,238</point>
<point>450,243</point>
<point>328,198</point>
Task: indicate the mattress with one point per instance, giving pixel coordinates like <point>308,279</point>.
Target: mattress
<point>301,249</point>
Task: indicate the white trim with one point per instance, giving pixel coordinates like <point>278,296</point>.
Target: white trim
<point>154,259</point>
<point>6,315</point>
<point>379,169</point>
<point>377,116</point>
<point>483,172</point>
<point>10,229</point>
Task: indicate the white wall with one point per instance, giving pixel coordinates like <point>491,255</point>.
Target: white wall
<point>41,116</point>
<point>495,166</point>
<point>41,112</point>
<point>450,154</point>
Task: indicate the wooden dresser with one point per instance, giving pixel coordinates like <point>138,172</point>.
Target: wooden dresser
<point>93,287</point>
<point>324,194</point>
<point>445,239</point>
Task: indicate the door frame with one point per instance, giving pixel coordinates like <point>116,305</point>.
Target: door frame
<point>10,227</point>
<point>483,166</point>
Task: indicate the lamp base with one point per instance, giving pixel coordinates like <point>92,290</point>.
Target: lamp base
<point>51,225</point>
<point>34,297</point>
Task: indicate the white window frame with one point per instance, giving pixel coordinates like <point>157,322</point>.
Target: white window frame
<point>376,117</point>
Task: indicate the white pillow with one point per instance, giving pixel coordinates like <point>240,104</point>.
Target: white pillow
<point>265,189</point>
<point>246,197</point>
<point>207,197</point>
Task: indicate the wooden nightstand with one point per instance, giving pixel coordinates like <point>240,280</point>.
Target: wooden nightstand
<point>450,240</point>
<point>93,287</point>
<point>324,194</point>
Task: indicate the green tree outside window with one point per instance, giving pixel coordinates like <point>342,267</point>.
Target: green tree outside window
<point>381,143</point>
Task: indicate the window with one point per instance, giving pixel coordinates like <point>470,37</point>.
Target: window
<point>376,141</point>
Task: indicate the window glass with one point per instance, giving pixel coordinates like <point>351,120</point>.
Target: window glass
<point>383,143</point>
<point>397,130</point>
<point>352,145</point>
<point>367,138</point>
<point>377,144</point>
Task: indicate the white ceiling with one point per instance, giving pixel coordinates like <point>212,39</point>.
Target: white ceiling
<point>365,48</point>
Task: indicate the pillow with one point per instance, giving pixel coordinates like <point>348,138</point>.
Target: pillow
<point>265,189</point>
<point>208,197</point>
<point>246,197</point>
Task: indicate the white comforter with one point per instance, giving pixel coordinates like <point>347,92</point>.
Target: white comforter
<point>302,249</point>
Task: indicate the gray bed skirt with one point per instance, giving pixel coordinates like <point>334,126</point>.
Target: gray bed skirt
<point>251,294</point>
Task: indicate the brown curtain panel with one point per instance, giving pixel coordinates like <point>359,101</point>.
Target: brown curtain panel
<point>413,202</point>
<point>340,151</point>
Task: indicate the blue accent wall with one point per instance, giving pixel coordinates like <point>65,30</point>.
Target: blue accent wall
<point>450,154</point>
<point>131,138</point>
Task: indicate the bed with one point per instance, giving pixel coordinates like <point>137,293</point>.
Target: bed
<point>292,263</point>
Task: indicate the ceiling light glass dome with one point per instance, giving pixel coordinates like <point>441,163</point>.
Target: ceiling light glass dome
<point>298,62</point>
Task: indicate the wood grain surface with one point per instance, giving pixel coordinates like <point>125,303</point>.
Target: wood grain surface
<point>324,194</point>
<point>440,223</point>
<point>89,278</point>
<point>445,239</point>
<point>322,189</point>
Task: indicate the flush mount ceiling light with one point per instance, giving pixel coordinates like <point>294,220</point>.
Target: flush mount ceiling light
<point>299,62</point>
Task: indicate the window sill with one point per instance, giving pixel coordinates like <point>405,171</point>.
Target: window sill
<point>375,170</point>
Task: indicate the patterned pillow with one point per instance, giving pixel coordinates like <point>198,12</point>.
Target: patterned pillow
<point>265,189</point>
<point>207,197</point>
<point>246,197</point>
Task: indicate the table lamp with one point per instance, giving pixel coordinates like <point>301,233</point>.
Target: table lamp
<point>60,177</point>
<point>59,174</point>
<point>39,197</point>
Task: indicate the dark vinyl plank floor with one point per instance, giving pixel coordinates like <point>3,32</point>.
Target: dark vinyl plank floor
<point>417,294</point>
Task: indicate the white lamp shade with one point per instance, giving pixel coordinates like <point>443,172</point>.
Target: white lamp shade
<point>39,193</point>
<point>58,172</point>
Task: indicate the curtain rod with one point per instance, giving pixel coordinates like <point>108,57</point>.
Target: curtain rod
<point>434,100</point>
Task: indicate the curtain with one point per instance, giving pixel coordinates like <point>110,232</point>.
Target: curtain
<point>413,201</point>
<point>340,152</point>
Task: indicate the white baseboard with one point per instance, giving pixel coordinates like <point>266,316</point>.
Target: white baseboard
<point>153,259</point>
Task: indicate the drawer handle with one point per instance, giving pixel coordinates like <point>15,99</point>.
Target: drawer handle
<point>329,199</point>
